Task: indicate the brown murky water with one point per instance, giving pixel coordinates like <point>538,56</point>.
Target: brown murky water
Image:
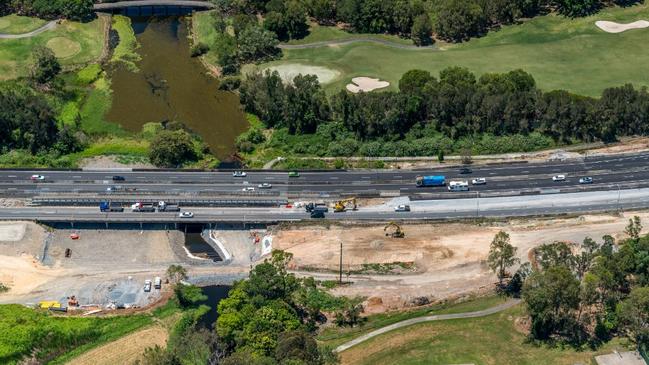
<point>171,85</point>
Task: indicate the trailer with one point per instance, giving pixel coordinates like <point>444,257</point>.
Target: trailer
<point>164,207</point>
<point>141,207</point>
<point>433,180</point>
<point>110,207</point>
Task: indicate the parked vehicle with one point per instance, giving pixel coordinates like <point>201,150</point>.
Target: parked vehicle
<point>164,207</point>
<point>147,285</point>
<point>312,206</point>
<point>465,170</point>
<point>586,180</point>
<point>119,178</point>
<point>293,174</point>
<point>559,178</point>
<point>434,180</point>
<point>110,207</point>
<point>239,174</point>
<point>157,282</point>
<point>402,208</point>
<point>265,186</point>
<point>37,177</point>
<point>141,207</point>
<point>186,215</point>
<point>479,181</point>
<point>458,186</point>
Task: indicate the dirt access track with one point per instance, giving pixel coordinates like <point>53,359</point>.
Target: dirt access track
<point>438,261</point>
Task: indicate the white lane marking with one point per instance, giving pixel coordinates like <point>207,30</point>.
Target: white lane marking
<point>76,177</point>
<point>333,178</point>
<point>365,177</point>
<point>269,178</point>
<point>398,177</point>
<point>12,176</point>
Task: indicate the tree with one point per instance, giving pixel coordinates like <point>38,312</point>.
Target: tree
<point>189,295</point>
<point>46,66</point>
<point>502,255</point>
<point>634,228</point>
<point>176,273</point>
<point>414,81</point>
<point>421,30</point>
<point>324,11</point>
<point>297,346</point>
<point>305,106</point>
<point>554,254</point>
<point>256,44</point>
<point>577,8</point>
<point>552,296</point>
<point>172,149</point>
<point>459,20</point>
<point>634,316</point>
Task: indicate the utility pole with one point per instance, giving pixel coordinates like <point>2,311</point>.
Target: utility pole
<point>340,271</point>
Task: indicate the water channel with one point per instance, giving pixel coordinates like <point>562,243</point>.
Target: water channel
<point>172,86</point>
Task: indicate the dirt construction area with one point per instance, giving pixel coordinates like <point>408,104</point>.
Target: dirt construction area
<point>437,261</point>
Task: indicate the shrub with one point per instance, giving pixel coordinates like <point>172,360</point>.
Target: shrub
<point>199,49</point>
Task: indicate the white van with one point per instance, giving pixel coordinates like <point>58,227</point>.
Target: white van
<point>157,282</point>
<point>458,186</point>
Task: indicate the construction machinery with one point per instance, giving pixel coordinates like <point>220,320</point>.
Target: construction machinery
<point>343,205</point>
<point>397,233</point>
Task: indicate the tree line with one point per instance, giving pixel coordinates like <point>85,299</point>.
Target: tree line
<point>49,9</point>
<point>431,110</point>
<point>582,294</point>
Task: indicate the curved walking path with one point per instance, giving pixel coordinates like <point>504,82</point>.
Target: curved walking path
<point>48,26</point>
<point>441,317</point>
<point>357,40</point>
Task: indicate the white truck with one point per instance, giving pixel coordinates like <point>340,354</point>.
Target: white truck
<point>458,186</point>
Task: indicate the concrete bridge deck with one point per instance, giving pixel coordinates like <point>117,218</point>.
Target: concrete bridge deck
<point>153,3</point>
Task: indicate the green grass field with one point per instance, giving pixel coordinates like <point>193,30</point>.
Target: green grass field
<point>15,24</point>
<point>480,341</point>
<point>561,53</point>
<point>75,43</point>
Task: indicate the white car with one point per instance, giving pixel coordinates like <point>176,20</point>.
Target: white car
<point>402,208</point>
<point>265,186</point>
<point>248,188</point>
<point>586,180</point>
<point>239,174</point>
<point>479,181</point>
<point>559,178</point>
<point>147,285</point>
<point>37,177</point>
<point>186,215</point>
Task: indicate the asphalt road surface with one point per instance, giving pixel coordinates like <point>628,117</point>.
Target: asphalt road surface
<point>608,172</point>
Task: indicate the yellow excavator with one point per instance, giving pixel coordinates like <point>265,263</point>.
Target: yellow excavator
<point>397,233</point>
<point>343,205</point>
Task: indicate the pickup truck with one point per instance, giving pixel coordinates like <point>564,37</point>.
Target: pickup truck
<point>110,207</point>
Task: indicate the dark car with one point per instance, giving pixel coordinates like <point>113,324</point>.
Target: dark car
<point>465,170</point>
<point>118,178</point>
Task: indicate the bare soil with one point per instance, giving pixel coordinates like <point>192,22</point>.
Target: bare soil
<point>450,259</point>
<point>125,350</point>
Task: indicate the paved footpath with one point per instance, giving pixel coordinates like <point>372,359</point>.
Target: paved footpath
<point>48,26</point>
<point>441,317</point>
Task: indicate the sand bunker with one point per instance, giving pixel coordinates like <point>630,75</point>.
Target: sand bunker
<point>366,84</point>
<point>63,47</point>
<point>288,72</point>
<point>613,27</point>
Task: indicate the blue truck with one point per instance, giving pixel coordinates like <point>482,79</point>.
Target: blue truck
<point>110,207</point>
<point>434,180</point>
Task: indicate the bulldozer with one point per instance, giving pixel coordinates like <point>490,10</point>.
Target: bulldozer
<point>344,204</point>
<point>397,233</point>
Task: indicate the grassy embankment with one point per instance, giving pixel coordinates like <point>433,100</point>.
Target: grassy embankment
<point>15,24</point>
<point>24,331</point>
<point>73,42</point>
<point>561,53</point>
<point>487,340</point>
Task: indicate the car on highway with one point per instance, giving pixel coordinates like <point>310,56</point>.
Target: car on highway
<point>265,186</point>
<point>37,177</point>
<point>465,170</point>
<point>559,178</point>
<point>248,188</point>
<point>118,178</point>
<point>147,285</point>
<point>402,208</point>
<point>586,180</point>
<point>479,181</point>
<point>293,174</point>
<point>239,174</point>
<point>186,215</point>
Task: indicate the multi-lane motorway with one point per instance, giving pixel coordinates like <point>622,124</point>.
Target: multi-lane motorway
<point>618,183</point>
<point>621,171</point>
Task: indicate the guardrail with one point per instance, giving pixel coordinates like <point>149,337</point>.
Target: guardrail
<point>182,202</point>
